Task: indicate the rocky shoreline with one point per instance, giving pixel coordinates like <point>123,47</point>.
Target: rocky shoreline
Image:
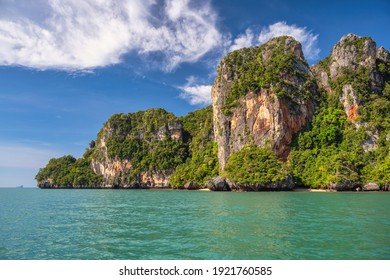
<point>220,184</point>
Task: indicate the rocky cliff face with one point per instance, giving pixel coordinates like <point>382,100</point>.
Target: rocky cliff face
<point>262,95</point>
<point>131,150</point>
<point>351,72</point>
<point>350,55</point>
<point>351,52</point>
<point>347,145</point>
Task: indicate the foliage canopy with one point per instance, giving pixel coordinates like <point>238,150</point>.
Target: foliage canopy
<point>253,165</point>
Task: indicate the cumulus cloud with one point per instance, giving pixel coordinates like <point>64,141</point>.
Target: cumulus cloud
<point>301,34</point>
<point>194,93</point>
<point>74,35</point>
<point>306,38</point>
<point>243,41</point>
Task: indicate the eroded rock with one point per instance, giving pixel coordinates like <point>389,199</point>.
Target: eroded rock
<point>218,184</point>
<point>271,115</point>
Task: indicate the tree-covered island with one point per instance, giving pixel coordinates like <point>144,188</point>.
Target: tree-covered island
<point>275,123</point>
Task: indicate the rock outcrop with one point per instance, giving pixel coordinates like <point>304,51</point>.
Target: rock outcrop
<point>349,99</point>
<point>263,96</point>
<point>350,72</point>
<point>285,185</point>
<point>218,184</point>
<point>191,186</point>
<point>353,51</point>
<point>371,187</point>
<point>350,55</point>
<point>128,145</point>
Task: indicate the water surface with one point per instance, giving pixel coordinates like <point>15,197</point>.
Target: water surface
<point>155,224</point>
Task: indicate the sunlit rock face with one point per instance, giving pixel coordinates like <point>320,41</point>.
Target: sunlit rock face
<point>270,112</point>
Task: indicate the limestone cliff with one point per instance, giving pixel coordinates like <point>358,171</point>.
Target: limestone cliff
<point>263,95</point>
<point>347,145</point>
<point>145,149</point>
<point>352,74</point>
<point>330,124</point>
<point>139,150</point>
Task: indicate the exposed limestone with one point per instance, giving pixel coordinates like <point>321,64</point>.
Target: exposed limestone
<point>350,55</point>
<point>371,143</point>
<point>371,187</point>
<point>350,52</point>
<point>156,179</point>
<point>349,100</point>
<point>173,129</point>
<point>218,184</point>
<point>116,171</point>
<point>111,170</point>
<point>324,81</point>
<point>264,118</point>
<point>382,54</point>
<point>191,186</point>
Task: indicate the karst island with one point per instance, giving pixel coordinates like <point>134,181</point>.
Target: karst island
<point>275,123</point>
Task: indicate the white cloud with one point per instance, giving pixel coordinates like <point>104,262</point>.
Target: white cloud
<point>24,156</point>
<point>194,93</point>
<point>306,38</point>
<point>243,41</point>
<point>73,34</point>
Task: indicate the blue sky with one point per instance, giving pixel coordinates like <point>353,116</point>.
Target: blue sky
<point>66,65</point>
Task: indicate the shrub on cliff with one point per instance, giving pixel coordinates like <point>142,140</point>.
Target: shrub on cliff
<point>252,165</point>
<point>267,66</point>
<point>68,172</point>
<point>379,174</point>
<point>337,149</point>
<point>149,140</point>
<point>331,151</point>
<point>200,167</point>
<point>202,163</point>
<point>57,170</point>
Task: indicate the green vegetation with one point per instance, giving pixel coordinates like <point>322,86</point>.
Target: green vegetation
<point>146,140</point>
<point>202,164</point>
<point>141,124</point>
<point>68,172</point>
<point>324,65</point>
<point>360,81</point>
<point>324,167</point>
<point>384,69</point>
<point>253,165</point>
<point>379,173</point>
<point>249,71</point>
<point>327,128</point>
<point>330,151</point>
<point>152,140</point>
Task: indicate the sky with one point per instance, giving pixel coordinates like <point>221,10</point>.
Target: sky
<point>67,65</point>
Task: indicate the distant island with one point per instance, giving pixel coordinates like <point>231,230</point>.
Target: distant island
<point>275,123</point>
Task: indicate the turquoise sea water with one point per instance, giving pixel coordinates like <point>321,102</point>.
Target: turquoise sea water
<point>152,224</point>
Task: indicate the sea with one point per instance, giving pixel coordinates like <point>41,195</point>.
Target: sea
<point>90,224</point>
